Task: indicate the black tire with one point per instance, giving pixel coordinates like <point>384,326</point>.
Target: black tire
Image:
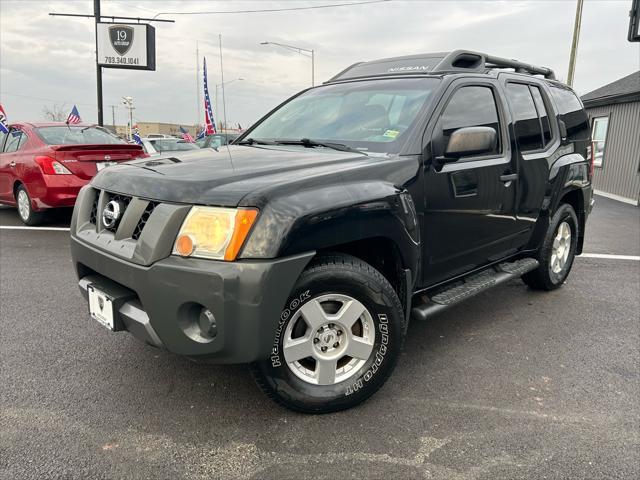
<point>30,217</point>
<point>339,275</point>
<point>544,278</point>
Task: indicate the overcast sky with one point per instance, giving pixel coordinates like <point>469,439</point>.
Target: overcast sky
<point>46,60</point>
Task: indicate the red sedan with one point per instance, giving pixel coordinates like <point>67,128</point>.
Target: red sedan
<point>44,165</point>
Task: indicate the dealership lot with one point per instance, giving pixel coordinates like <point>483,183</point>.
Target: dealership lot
<point>540,385</point>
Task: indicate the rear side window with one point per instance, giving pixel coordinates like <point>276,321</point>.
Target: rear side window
<point>527,124</point>
<point>571,112</point>
<point>542,113</point>
<point>472,106</point>
<point>14,141</point>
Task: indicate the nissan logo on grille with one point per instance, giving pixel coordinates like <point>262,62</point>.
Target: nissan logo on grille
<point>111,213</point>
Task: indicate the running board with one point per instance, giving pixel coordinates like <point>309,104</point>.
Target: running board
<point>470,286</point>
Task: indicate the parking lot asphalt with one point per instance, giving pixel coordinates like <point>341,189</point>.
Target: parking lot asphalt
<point>511,384</point>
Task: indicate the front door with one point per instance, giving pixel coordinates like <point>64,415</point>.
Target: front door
<point>469,211</point>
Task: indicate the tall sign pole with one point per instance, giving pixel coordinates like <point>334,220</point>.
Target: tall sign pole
<point>96,14</point>
<point>574,43</point>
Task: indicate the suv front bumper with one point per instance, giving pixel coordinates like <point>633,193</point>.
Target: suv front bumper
<point>161,304</point>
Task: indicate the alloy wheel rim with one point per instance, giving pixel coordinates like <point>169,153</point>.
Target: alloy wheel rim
<point>329,339</point>
<point>23,205</point>
<point>561,248</point>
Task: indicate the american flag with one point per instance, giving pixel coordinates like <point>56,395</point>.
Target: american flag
<point>4,127</point>
<point>201,134</point>
<point>74,116</point>
<point>186,136</point>
<point>210,123</point>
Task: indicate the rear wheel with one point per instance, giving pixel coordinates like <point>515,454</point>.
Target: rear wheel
<point>25,208</point>
<point>557,252</point>
<point>338,338</point>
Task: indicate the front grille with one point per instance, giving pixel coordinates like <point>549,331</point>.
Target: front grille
<point>94,209</point>
<point>143,220</point>
<point>124,201</point>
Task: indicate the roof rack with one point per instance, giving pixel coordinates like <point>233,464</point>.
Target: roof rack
<point>519,67</point>
<point>456,61</point>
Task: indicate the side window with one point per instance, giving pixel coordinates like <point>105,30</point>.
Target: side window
<point>542,113</point>
<point>23,140</point>
<point>571,112</point>
<point>472,106</point>
<point>527,124</point>
<point>13,141</point>
<point>599,139</point>
<point>3,136</point>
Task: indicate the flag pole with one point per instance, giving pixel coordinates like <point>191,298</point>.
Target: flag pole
<point>224,105</point>
<point>96,14</point>
<point>198,84</point>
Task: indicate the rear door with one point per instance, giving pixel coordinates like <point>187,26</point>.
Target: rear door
<point>536,138</point>
<point>469,216</point>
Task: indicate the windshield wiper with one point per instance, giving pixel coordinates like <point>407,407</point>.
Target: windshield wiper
<point>307,142</point>
<point>253,141</point>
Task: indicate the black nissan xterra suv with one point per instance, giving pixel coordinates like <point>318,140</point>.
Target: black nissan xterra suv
<point>397,189</point>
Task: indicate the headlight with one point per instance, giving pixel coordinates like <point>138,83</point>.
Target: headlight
<point>216,233</point>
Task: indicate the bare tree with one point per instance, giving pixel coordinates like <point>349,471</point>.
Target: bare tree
<point>55,113</point>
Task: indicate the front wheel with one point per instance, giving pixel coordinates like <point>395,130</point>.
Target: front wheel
<point>338,338</point>
<point>557,252</point>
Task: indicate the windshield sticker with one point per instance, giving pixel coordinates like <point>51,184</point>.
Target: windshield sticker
<point>391,133</point>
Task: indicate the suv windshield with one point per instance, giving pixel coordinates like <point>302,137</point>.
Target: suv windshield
<point>368,115</point>
<point>68,135</point>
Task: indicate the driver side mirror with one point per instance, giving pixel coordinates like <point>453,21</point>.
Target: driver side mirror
<point>469,141</point>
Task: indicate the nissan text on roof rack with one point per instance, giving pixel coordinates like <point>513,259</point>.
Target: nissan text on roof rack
<point>395,190</point>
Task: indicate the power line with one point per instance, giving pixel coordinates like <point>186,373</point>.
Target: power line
<point>266,10</point>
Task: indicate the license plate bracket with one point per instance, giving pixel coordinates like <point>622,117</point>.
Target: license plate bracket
<point>101,307</point>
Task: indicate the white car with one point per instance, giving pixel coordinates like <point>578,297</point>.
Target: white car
<point>159,135</point>
<point>158,146</point>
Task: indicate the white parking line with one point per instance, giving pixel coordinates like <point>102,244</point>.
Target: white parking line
<point>46,229</point>
<point>611,256</point>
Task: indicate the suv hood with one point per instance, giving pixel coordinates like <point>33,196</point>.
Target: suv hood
<point>224,177</point>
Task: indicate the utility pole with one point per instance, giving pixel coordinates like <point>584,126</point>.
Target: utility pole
<point>128,103</point>
<point>113,116</point>
<point>96,14</point>
<point>574,43</point>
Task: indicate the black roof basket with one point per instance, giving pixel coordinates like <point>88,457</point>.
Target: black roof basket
<point>456,61</point>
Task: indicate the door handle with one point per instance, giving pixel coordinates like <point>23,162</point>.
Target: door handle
<point>508,177</point>
<point>12,164</point>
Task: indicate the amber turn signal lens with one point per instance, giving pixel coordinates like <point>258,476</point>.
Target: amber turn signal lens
<point>185,245</point>
<point>243,223</point>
